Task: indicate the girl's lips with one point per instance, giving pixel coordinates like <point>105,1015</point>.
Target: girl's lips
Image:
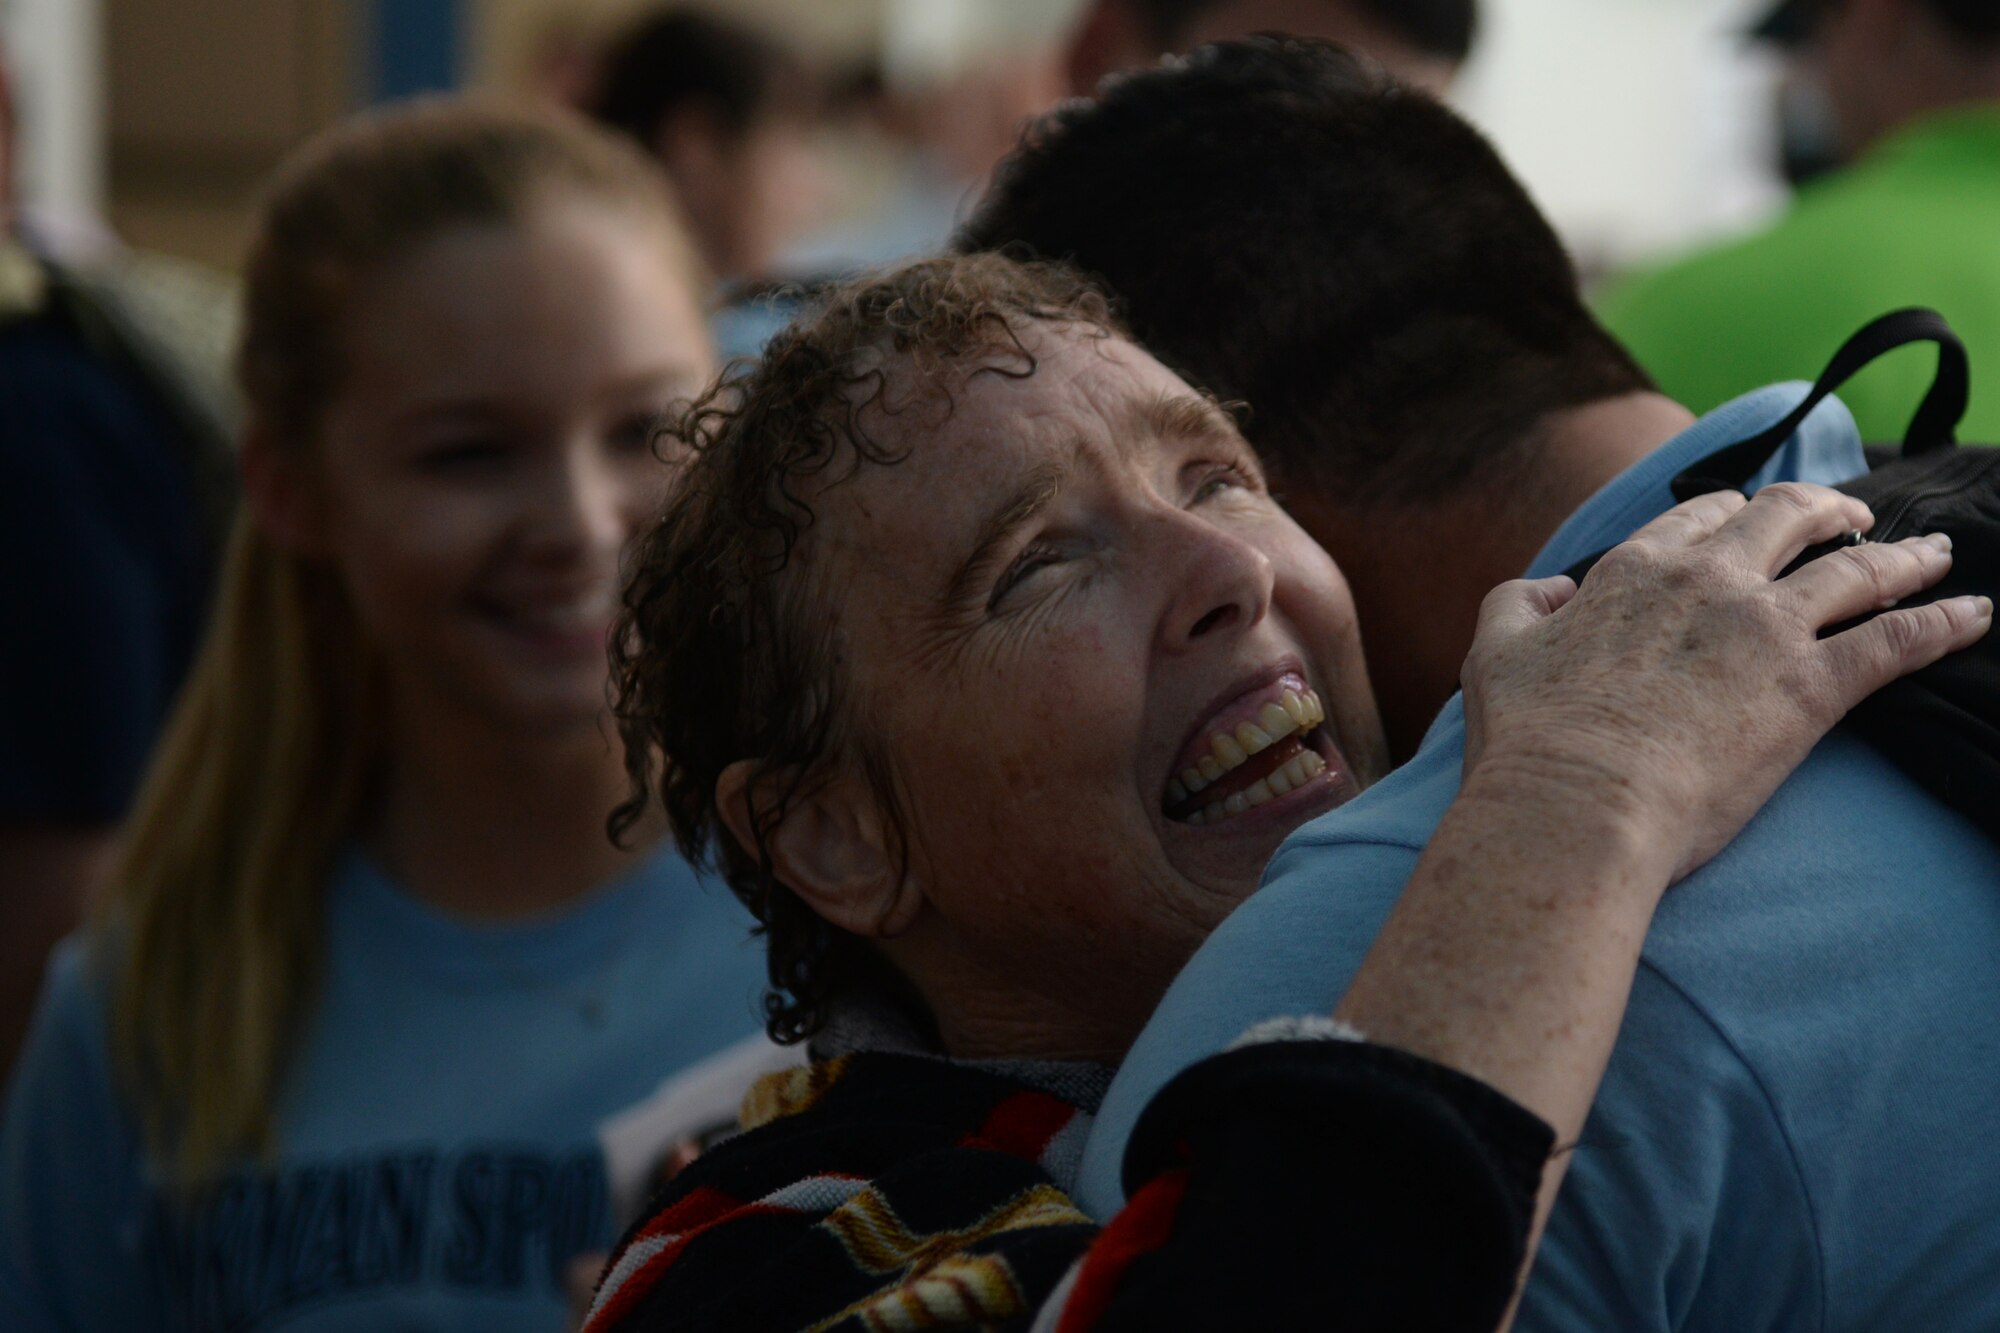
<point>574,628</point>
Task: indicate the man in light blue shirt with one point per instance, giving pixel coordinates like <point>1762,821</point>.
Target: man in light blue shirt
<point>1798,1128</point>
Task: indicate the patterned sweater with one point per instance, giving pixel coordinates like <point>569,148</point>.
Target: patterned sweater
<point>1331,1184</point>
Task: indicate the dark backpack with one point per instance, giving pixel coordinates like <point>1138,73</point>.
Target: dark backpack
<point>1941,725</point>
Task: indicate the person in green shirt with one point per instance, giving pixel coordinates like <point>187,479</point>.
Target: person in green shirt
<point>1913,219</point>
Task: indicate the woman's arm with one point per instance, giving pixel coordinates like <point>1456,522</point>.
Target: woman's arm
<point>1617,737</point>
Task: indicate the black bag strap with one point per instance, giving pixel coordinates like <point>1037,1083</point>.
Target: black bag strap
<point>1935,425</point>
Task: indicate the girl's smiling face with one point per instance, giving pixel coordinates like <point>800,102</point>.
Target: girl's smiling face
<point>489,453</point>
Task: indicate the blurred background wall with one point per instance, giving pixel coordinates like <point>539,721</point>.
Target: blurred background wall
<point>1641,124</point>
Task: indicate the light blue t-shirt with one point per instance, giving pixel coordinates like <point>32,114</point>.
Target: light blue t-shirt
<point>438,1164</point>
<point>1800,1125</point>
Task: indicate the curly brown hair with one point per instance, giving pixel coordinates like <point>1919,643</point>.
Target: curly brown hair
<point>730,646</point>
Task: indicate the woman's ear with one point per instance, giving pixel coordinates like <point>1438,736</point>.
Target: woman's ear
<point>832,847</point>
<point>281,496</point>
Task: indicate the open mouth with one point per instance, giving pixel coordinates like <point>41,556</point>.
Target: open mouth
<point>1263,746</point>
<point>570,623</point>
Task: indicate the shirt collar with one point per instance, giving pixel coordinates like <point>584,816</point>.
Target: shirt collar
<point>1826,449</point>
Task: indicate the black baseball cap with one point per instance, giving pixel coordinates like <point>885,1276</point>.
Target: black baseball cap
<point>1791,22</point>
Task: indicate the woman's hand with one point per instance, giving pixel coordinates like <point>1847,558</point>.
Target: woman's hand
<point>1685,681</point>
<point>1617,736</point>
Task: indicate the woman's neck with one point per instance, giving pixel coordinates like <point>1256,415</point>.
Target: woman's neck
<point>483,821</point>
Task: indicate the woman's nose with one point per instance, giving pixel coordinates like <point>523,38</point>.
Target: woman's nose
<point>1218,583</point>
<point>583,507</point>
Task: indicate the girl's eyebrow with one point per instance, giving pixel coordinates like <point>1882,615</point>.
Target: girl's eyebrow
<point>681,377</point>
<point>451,409</point>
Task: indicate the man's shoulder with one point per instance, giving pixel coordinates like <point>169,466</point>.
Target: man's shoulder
<point>1827,900</point>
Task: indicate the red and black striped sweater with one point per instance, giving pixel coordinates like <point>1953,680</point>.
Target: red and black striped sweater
<point>1325,1183</point>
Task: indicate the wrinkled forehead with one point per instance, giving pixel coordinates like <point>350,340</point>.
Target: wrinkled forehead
<point>967,433</point>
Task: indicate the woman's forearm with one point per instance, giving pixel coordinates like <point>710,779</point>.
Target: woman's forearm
<point>1511,954</point>
<point>1512,949</point>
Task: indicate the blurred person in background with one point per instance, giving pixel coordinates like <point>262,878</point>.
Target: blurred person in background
<point>941,133</point>
<point>729,115</point>
<point>1797,1128</point>
<point>1913,92</point>
<point>1422,42</point>
<point>116,485</point>
<point>370,973</point>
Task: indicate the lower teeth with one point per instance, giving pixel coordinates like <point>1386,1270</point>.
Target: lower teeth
<point>1296,772</point>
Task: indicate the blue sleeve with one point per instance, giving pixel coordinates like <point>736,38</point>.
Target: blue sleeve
<point>73,1206</point>
<point>1684,1207</point>
<point>1290,949</point>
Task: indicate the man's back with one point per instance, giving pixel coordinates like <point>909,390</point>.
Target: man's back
<point>1797,1128</point>
<point>1800,1127</point>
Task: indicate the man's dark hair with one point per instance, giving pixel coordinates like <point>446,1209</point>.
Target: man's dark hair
<point>1286,226</point>
<point>1436,27</point>
<point>679,59</point>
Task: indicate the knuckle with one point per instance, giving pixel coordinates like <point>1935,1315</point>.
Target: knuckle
<point>1627,559</point>
<point>1904,632</point>
<point>1698,569</point>
<point>1723,503</point>
<point>1502,598</point>
<point>1797,494</point>
<point>1876,569</point>
<point>1764,620</point>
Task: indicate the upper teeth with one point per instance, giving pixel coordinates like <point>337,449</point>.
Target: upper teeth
<point>1291,712</point>
<point>1294,772</point>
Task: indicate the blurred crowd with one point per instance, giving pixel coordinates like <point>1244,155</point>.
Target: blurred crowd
<point>369,816</point>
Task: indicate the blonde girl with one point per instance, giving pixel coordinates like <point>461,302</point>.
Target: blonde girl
<point>372,973</point>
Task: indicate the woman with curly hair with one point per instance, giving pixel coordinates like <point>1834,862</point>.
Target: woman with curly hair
<point>994,675</point>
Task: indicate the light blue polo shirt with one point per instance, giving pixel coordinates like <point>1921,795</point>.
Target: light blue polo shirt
<point>439,1162</point>
<point>1800,1125</point>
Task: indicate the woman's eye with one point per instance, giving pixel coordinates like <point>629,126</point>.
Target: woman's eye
<point>1218,480</point>
<point>1024,566</point>
<point>634,433</point>
<point>460,456</point>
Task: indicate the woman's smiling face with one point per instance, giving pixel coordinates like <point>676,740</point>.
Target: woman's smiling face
<point>490,454</point>
<point>1109,672</point>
